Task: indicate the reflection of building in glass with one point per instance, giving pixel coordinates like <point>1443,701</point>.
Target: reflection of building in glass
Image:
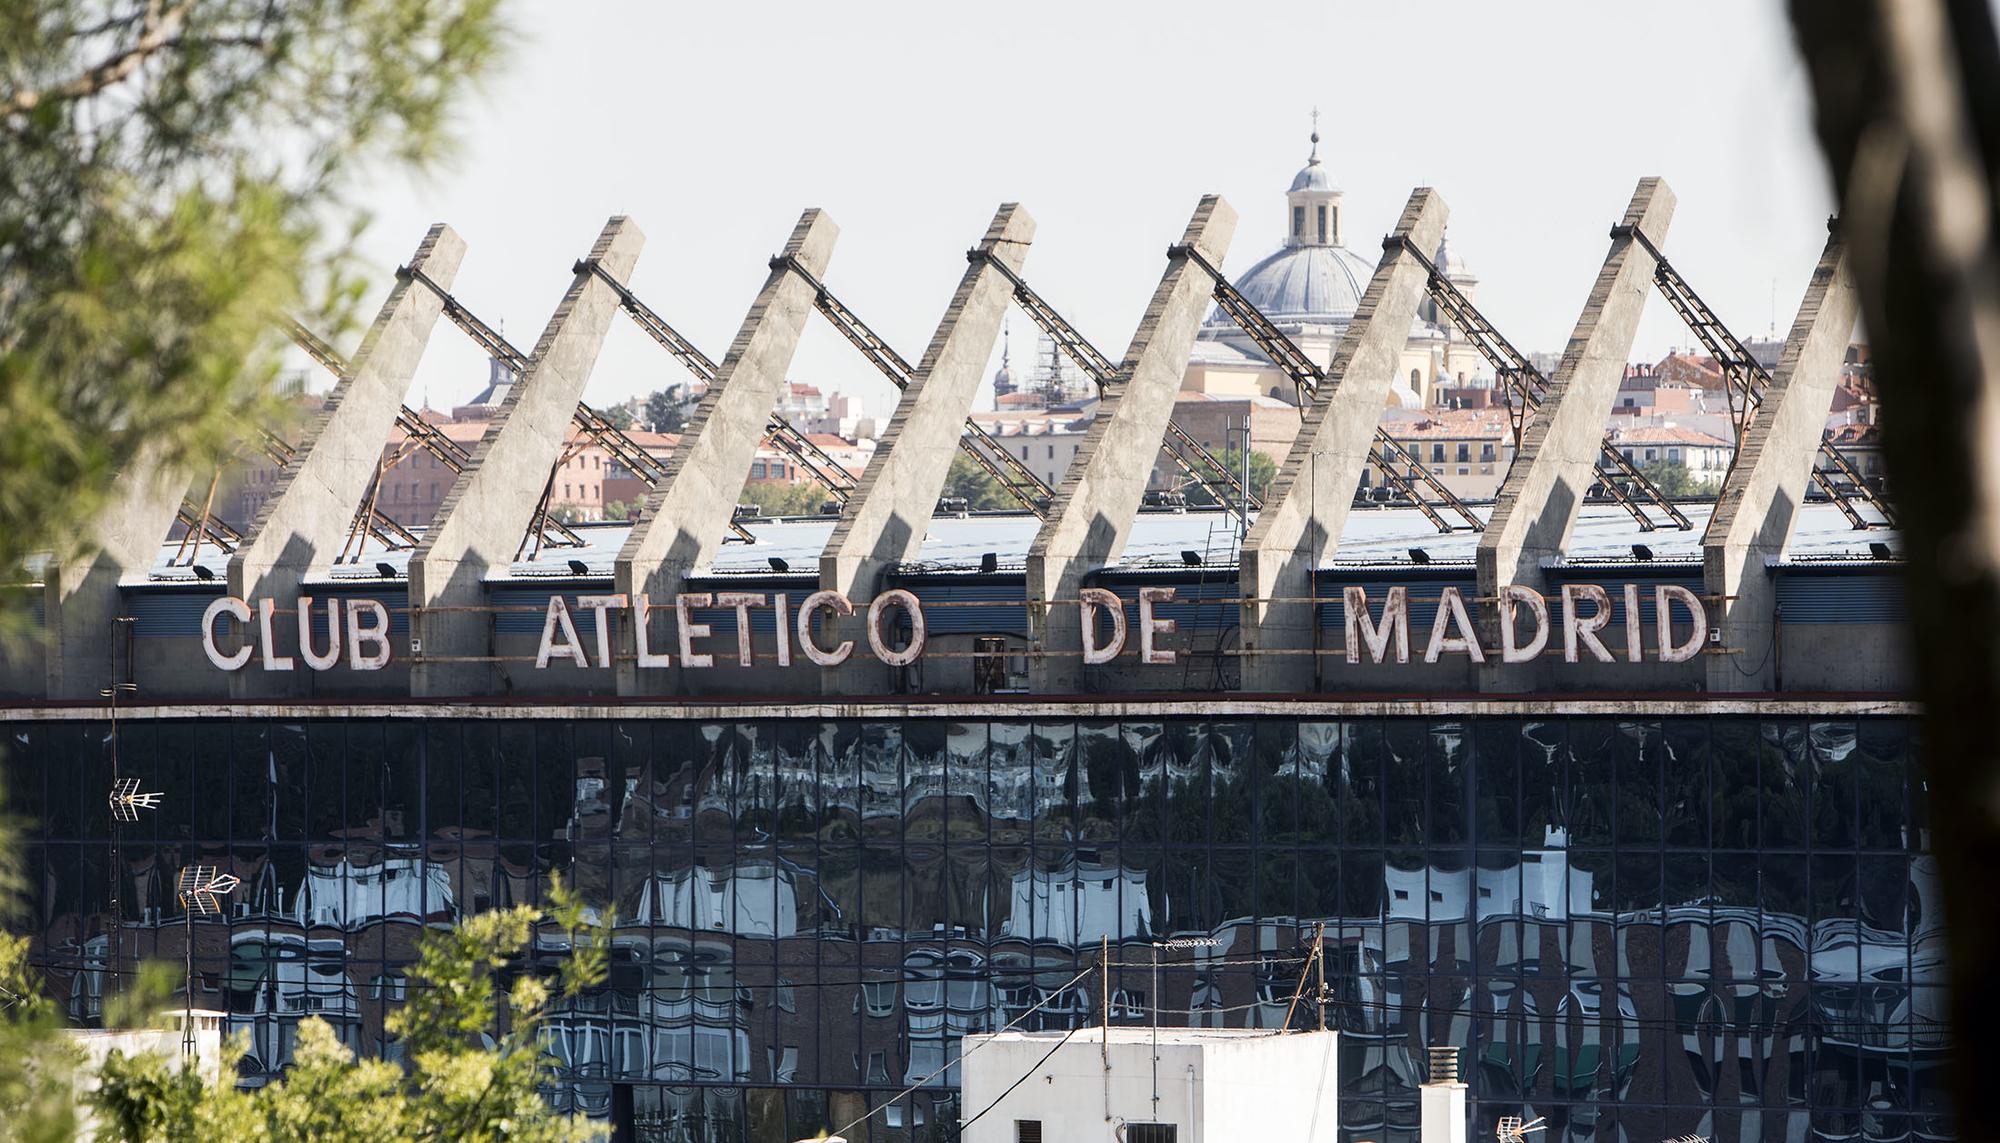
<point>1638,928</point>
<point>1078,905</point>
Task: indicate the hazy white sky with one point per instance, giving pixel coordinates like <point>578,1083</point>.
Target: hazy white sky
<point>713,125</point>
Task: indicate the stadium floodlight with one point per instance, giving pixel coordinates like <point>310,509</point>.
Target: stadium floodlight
<point>127,800</point>
<point>201,886</point>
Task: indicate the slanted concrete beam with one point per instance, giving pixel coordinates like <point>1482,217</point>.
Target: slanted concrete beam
<point>1537,506</point>
<point>888,515</point>
<point>1759,504</point>
<point>687,515</point>
<point>80,595</point>
<point>1308,501</point>
<point>1100,495</point>
<point>307,517</point>
<point>481,521</point>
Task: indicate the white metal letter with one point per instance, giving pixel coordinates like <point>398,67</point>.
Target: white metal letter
<point>1584,631</point>
<point>742,601</point>
<point>1150,627</point>
<point>1634,646</point>
<point>808,609</point>
<point>1663,618</point>
<point>684,605</point>
<point>878,639</point>
<point>331,659</point>
<point>1093,600</point>
<point>239,611</point>
<point>266,641</point>
<point>784,628</point>
<point>601,604</point>
<point>642,637</point>
<point>571,647</point>
<point>376,633</point>
<point>1512,595</point>
<point>1451,615</point>
<point>1360,629</point>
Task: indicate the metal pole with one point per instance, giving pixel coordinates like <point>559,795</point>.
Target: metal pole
<point>1156,1031</point>
<point>1104,1037</point>
<point>1319,955</point>
<point>1243,508</point>
<point>187,1014</point>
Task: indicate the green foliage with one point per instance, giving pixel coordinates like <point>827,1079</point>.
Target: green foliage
<point>467,990</point>
<point>1262,470</point>
<point>1672,478</point>
<point>666,410</point>
<point>174,179</point>
<point>37,1064</point>
<point>777,499</point>
<point>982,493</point>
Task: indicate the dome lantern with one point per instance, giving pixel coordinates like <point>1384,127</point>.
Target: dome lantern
<point>1312,214</point>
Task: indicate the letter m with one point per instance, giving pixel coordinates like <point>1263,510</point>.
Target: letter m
<point>1361,629</point>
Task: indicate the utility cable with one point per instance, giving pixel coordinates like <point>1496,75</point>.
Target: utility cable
<point>1017,1083</point>
<point>961,1057</point>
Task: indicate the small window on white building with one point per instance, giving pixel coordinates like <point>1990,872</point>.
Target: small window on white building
<point>1027,1131</point>
<point>1298,222</point>
<point>1149,1133</point>
<point>1673,454</point>
<point>1322,224</point>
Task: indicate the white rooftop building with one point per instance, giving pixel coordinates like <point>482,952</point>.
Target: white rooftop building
<point>1176,1085</point>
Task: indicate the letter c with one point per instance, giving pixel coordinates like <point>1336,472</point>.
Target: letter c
<point>239,611</point>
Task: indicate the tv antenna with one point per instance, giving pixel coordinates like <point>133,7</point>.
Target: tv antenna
<point>201,889</point>
<point>1512,1130</point>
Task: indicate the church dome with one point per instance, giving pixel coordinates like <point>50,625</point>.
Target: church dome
<point>1312,177</point>
<point>1319,285</point>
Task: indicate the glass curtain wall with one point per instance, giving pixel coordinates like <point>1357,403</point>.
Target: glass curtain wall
<point>1636,928</point>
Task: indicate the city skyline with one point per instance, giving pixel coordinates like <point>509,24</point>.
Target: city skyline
<point>741,134</point>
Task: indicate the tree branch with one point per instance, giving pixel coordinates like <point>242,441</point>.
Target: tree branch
<point>158,34</point>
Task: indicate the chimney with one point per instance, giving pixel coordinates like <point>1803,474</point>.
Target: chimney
<point>1441,1110</point>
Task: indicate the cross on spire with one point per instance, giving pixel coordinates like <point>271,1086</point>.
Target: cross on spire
<point>1314,157</point>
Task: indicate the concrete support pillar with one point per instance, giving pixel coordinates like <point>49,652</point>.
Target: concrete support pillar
<point>1537,505</point>
<point>80,596</point>
<point>480,524</point>
<point>1099,496</point>
<point>889,513</point>
<point>1308,501</point>
<point>687,516</point>
<point>1759,504</point>
<point>306,519</point>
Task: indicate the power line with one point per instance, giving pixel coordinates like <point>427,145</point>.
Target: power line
<point>1018,1082</point>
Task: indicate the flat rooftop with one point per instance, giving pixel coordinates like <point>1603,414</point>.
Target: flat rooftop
<point>1372,537</point>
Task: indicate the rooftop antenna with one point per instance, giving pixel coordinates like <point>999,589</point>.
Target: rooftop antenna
<point>125,801</point>
<point>1511,1130</point>
<point>201,889</point>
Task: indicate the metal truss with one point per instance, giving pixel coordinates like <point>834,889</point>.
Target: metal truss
<point>1524,388</point>
<point>1414,480</point>
<point>1195,461</point>
<point>975,442</point>
<point>1745,381</point>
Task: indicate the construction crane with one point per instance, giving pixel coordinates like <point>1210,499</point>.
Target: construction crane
<point>817,463</point>
<point>1398,465</point>
<point>1008,472</point>
<point>1745,381</point>
<point>1524,388</point>
<point>1189,455</point>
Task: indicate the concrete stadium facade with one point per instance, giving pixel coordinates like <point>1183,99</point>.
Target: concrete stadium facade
<point>1630,814</point>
